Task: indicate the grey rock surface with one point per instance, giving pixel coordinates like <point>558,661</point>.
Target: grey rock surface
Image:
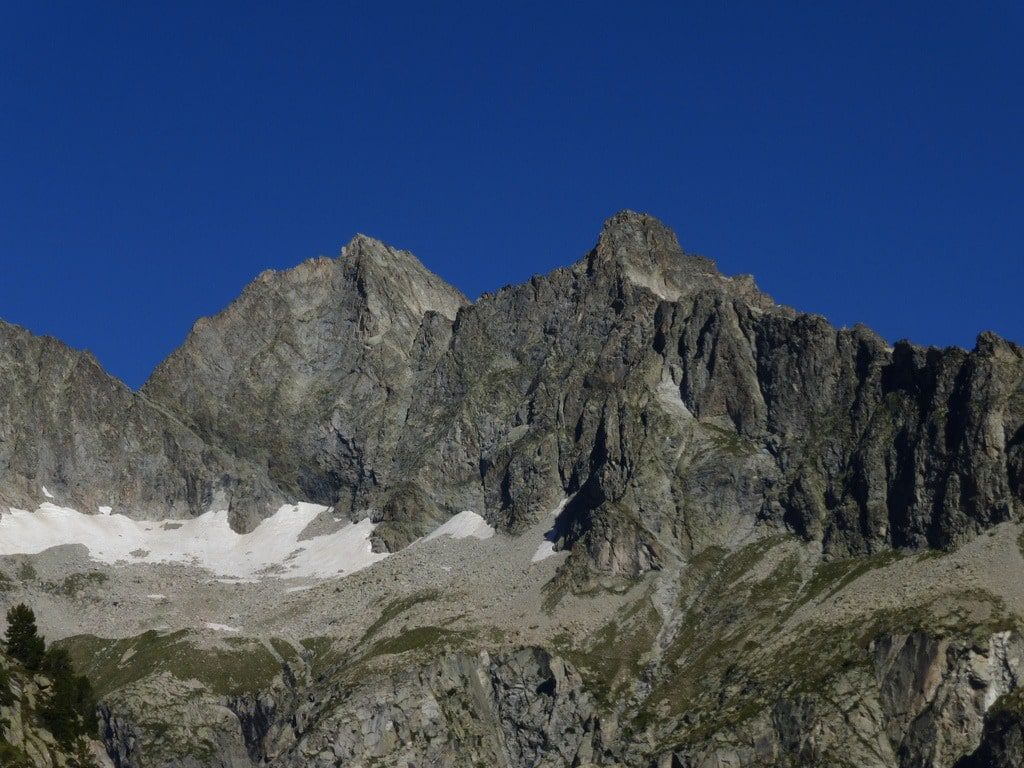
<point>69,427</point>
<point>311,371</point>
<point>368,383</point>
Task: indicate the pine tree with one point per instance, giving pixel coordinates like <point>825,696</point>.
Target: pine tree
<point>56,663</point>
<point>23,640</point>
<point>6,694</point>
<point>70,711</point>
<point>85,704</point>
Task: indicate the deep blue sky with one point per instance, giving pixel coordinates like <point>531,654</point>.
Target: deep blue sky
<point>863,160</point>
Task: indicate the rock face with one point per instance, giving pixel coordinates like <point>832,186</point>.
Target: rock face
<point>924,705</point>
<point>924,708</point>
<point>67,426</point>
<point>1002,744</point>
<point>311,371</point>
<point>190,729</point>
<point>670,402</point>
<point>524,708</point>
<point>673,405</point>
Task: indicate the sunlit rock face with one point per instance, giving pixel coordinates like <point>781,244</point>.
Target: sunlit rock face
<point>632,512</point>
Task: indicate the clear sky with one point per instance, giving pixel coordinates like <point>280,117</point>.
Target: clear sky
<point>864,160</point>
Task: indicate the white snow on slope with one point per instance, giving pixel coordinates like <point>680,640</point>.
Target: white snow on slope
<point>547,547</point>
<point>207,541</point>
<point>221,627</point>
<point>544,551</point>
<point>46,493</point>
<point>463,526</point>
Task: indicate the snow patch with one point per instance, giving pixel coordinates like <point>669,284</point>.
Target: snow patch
<point>157,597</point>
<point>46,493</point>
<point>207,541</point>
<point>105,510</point>
<point>561,506</point>
<point>463,526</point>
<point>221,627</point>
<point>544,551</point>
<point>547,547</point>
<point>671,399</point>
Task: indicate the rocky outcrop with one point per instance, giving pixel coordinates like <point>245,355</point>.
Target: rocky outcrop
<point>517,709</point>
<point>919,701</point>
<point>1002,743</point>
<point>925,707</point>
<point>164,722</point>
<point>68,427</point>
<point>522,708</point>
<point>935,692</point>
<point>25,741</point>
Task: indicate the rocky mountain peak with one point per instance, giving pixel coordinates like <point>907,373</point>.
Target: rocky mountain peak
<point>398,275</point>
<point>640,248</point>
<point>629,231</point>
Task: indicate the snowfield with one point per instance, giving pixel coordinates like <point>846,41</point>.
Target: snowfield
<point>463,526</point>
<point>273,549</point>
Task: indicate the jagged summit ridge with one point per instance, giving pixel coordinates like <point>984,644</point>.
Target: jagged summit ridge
<point>673,405</point>
<point>641,249</point>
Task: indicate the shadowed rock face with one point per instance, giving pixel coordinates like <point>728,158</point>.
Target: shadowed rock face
<point>675,406</point>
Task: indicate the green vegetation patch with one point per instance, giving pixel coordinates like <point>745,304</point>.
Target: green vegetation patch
<point>285,650</point>
<point>26,571</point>
<point>729,442</point>
<point>831,577</point>
<point>13,757</point>
<point>1010,703</point>
<point>615,657</point>
<point>247,666</point>
<point>418,639</point>
<point>396,608</point>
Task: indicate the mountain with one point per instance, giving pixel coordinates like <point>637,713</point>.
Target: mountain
<point>632,512</point>
<point>364,390</point>
<point>311,371</point>
<point>68,428</point>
